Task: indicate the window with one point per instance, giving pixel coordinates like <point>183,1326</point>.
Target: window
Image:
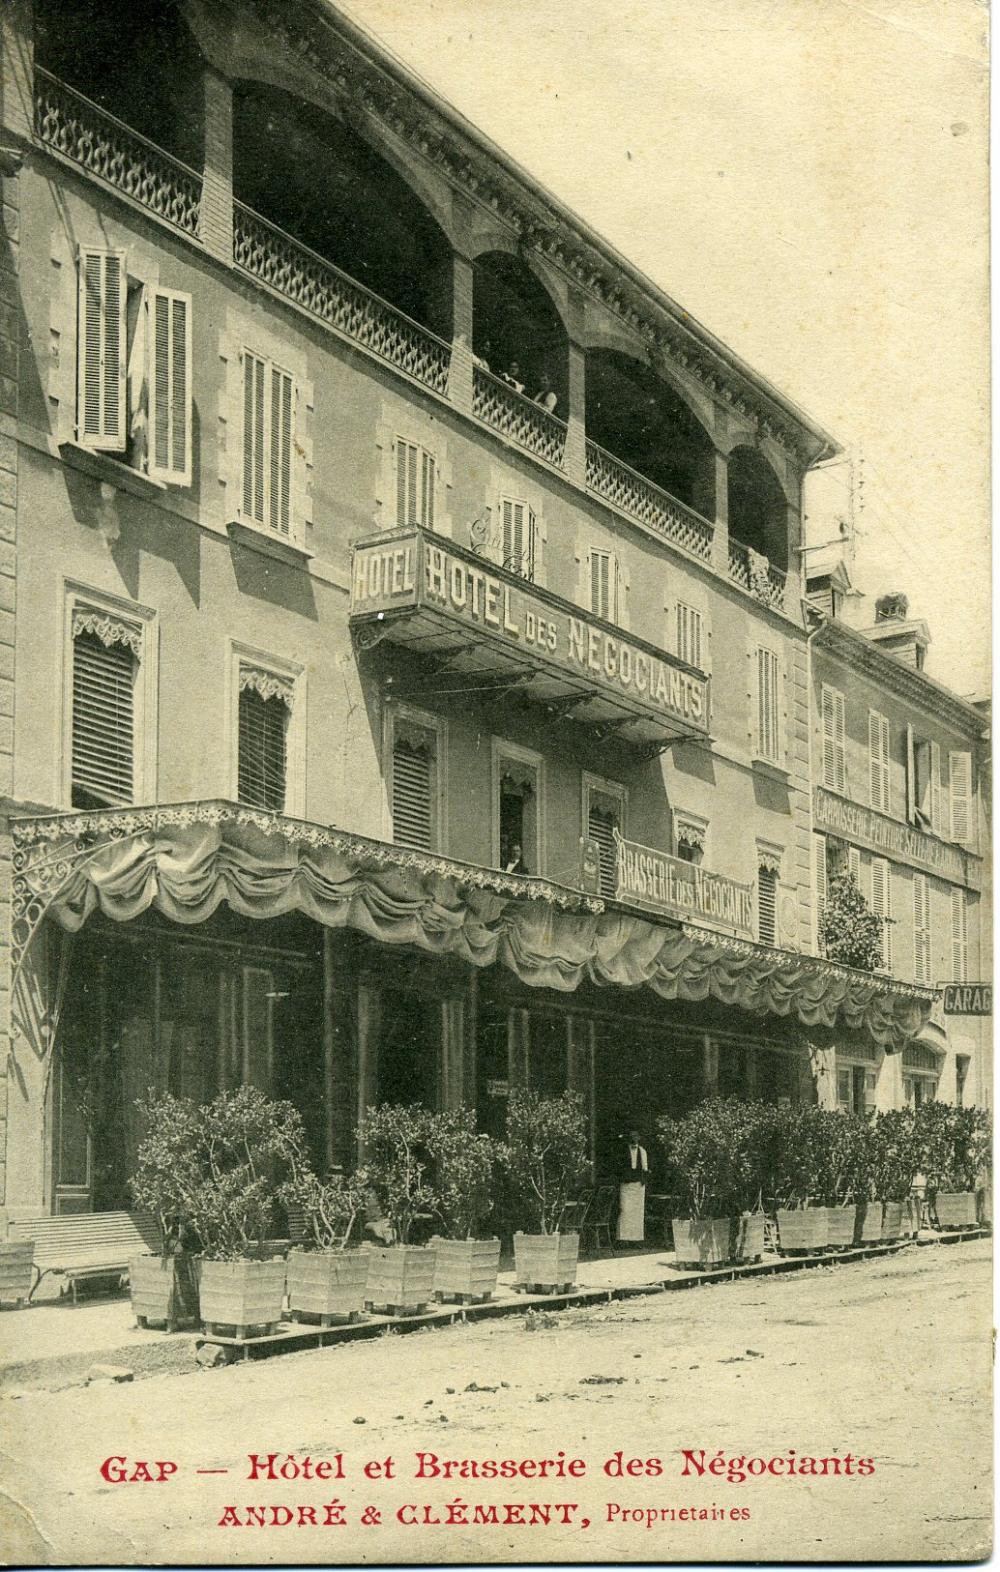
<point>414,782</point>
<point>517,809</point>
<point>134,344</point>
<point>960,781</point>
<point>604,805</point>
<point>519,530</point>
<point>416,477</point>
<point>690,835</point>
<point>604,577</point>
<point>819,885</point>
<point>268,415</point>
<point>924,805</point>
<point>937,792</point>
<point>106,657</point>
<point>882,906</point>
<point>768,717</point>
<point>959,937</point>
<point>834,773</point>
<point>265,702</point>
<point>855,1088</point>
<point>921,929</point>
<point>689,635</point>
<point>767,900</point>
<point>878,760</point>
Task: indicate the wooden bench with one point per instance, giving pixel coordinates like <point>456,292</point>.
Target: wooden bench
<point>87,1244</point>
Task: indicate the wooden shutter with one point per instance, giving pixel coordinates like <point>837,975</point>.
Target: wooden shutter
<point>103,722</point>
<point>262,758</point>
<point>416,475</point>
<point>604,585</point>
<point>268,443</point>
<point>279,513</point>
<point>819,884</point>
<point>854,864</point>
<point>689,635</point>
<point>603,818</point>
<point>254,395</point>
<point>413,790</point>
<point>882,905</point>
<point>878,760</point>
<point>169,337</point>
<point>960,780</point>
<point>959,937</point>
<point>833,739</point>
<point>767,891</point>
<point>767,705</point>
<point>102,341</point>
<point>518,538</point>
<point>921,929</point>
<point>937,793</point>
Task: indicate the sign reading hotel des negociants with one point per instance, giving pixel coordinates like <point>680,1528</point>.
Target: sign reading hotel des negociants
<point>406,572</point>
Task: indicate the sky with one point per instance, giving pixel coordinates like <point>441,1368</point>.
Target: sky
<point>809,179</point>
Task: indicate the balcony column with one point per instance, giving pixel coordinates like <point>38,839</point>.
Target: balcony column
<point>17,71</point>
<point>575,463</point>
<point>720,541</point>
<point>215,225</point>
<point>460,380</point>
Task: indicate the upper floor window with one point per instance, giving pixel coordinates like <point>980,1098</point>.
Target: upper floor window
<point>921,929</point>
<point>768,876</point>
<point>519,537</point>
<point>416,479</point>
<point>690,834</point>
<point>268,436</point>
<point>133,368</point>
<point>604,585</point>
<point>882,906</point>
<point>959,937</point>
<point>689,635</point>
<point>834,771</point>
<point>517,836</point>
<point>415,781</point>
<point>265,704</point>
<point>106,656</point>
<point>926,798</point>
<point>767,728</point>
<point>878,760</point>
<point>604,804</point>
<point>960,782</point>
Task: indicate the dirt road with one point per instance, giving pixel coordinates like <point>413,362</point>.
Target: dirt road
<point>887,1361</point>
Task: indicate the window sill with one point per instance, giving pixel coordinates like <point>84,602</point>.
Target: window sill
<point>111,470</point>
<point>768,768</point>
<point>268,545</point>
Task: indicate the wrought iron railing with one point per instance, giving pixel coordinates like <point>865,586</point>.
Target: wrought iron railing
<point>519,418</point>
<point>633,494</point>
<point>759,577</point>
<point>104,146</point>
<point>302,275</point>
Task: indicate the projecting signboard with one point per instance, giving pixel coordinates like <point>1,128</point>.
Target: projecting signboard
<point>968,998</point>
<point>667,884</point>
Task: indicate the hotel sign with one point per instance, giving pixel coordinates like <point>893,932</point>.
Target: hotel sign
<point>414,572</point>
<point>889,837</point>
<point>682,889</point>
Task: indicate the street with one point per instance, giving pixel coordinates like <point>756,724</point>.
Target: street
<point>881,1368</point>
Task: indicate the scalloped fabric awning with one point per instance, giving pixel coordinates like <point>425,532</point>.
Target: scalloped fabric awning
<point>186,870</point>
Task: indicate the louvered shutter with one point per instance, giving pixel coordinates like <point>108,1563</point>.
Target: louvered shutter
<point>415,484</point>
<point>518,538</point>
<point>602,821</point>
<point>767,705</point>
<point>280,452</point>
<point>102,339</point>
<point>921,929</point>
<point>103,722</point>
<point>959,937</point>
<point>878,760</point>
<point>262,759</point>
<point>833,739</point>
<point>767,891</point>
<point>268,444</point>
<point>413,785</point>
<point>960,780</point>
<point>819,884</point>
<point>854,864</point>
<point>254,393</point>
<point>937,795</point>
<point>169,338</point>
<point>689,635</point>
<point>882,905</point>
<point>604,585</point>
<point>428,478</point>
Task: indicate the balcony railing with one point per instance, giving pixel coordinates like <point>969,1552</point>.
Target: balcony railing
<point>758,576</point>
<point>325,292</point>
<point>633,494</point>
<point>519,418</point>
<point>104,146</point>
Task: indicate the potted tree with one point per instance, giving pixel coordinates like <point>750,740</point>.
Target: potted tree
<point>716,1157</point>
<point>842,1174</point>
<point>395,1138</point>
<point>546,1158</point>
<point>327,1281</point>
<point>465,1264</point>
<point>896,1162</point>
<point>164,1287</point>
<point>955,1149</point>
<point>801,1179</point>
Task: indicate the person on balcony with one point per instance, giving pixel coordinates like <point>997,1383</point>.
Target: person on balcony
<point>482,360</point>
<point>513,377</point>
<point>546,395</point>
<point>633,1178</point>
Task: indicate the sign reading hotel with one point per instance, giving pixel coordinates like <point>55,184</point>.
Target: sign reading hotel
<point>413,572</point>
<point>891,838</point>
<point>968,998</point>
<point>682,889</point>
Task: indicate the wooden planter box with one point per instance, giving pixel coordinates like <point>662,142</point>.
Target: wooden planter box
<point>956,1209</point>
<point>892,1221</point>
<point>840,1225</point>
<point>704,1241</point>
<point>163,1288</point>
<point>400,1278</point>
<point>546,1261</point>
<point>16,1269</point>
<point>748,1243</point>
<point>802,1228</point>
<point>242,1294</point>
<point>984,1198</point>
<point>466,1268</point>
<point>869,1224</point>
<point>327,1284</point>
<point>911,1217</point>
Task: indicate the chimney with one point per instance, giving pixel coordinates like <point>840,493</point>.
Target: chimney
<point>904,637</point>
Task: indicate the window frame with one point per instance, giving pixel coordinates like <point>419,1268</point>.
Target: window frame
<point>272,367</point>
<point>424,452</point>
<point>396,710</point>
<point>833,704</point>
<point>760,755</point>
<point>500,751</point>
<point>509,500</point>
<point>590,783</point>
<point>766,852</point>
<point>240,655</point>
<point>697,615</point>
<point>615,586</point>
<point>923,935</point>
<point>80,597</point>
<point>879,757</point>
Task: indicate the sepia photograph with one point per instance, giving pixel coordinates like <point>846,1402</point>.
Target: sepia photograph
<point>495,783</point>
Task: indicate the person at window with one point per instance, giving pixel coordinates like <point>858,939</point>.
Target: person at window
<point>513,377</point>
<point>513,860</point>
<point>546,395</point>
<point>632,1181</point>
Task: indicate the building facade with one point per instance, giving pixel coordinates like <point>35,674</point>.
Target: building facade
<point>406,675</point>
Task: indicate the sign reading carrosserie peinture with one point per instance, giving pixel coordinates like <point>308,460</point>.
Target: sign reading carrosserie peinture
<point>412,572</point>
<point>891,838</point>
<point>681,889</point>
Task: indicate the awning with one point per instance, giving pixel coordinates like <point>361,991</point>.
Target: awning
<point>187,860</point>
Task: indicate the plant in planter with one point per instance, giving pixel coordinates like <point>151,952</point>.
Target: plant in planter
<point>465,1264</point>
<point>328,1280</point>
<point>955,1146</point>
<point>164,1287</point>
<point>546,1159</point>
<point>716,1158</point>
<point>396,1139</point>
<point>802,1176</point>
<point>850,932</point>
<point>842,1175</point>
<point>894,1164</point>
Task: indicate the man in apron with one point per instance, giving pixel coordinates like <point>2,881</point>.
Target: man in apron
<point>632,1192</point>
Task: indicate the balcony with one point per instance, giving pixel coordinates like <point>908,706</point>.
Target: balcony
<point>518,417</point>
<point>759,577</point>
<point>105,147</point>
<point>492,630</point>
<point>630,493</point>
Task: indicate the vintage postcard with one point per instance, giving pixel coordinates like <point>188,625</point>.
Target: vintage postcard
<point>495,816</point>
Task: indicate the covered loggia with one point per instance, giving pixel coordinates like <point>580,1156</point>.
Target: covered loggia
<point>84,44</point>
<point>636,416</point>
<point>310,174</point>
<point>518,334</point>
<point>758,511</point>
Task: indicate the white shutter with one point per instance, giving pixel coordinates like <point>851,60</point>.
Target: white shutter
<point>268,444</point>
<point>603,818</point>
<point>937,794</point>
<point>102,339</point>
<point>415,484</point>
<point>921,929</point>
<point>882,905</point>
<point>854,864</point>
<point>689,631</point>
<point>518,538</point>
<point>767,891</point>
<point>960,779</point>
<point>959,937</point>
<point>103,722</point>
<point>833,739</point>
<point>254,397</point>
<point>767,705</point>
<point>819,884</point>
<point>911,778</point>
<point>878,760</point>
<point>604,585</point>
<point>413,791</point>
<point>279,515</point>
<point>168,334</point>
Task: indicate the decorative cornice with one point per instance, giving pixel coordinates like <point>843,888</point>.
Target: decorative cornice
<point>109,629</point>
<point>267,683</point>
<point>915,685</point>
<point>812,965</point>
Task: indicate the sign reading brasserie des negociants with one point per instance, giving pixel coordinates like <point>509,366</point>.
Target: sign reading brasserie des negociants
<point>968,998</point>
<point>413,572</point>
<point>667,884</point>
<point>889,837</point>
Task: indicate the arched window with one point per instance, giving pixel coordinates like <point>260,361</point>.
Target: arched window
<point>639,418</point>
<point>518,334</point>
<point>758,512</point>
